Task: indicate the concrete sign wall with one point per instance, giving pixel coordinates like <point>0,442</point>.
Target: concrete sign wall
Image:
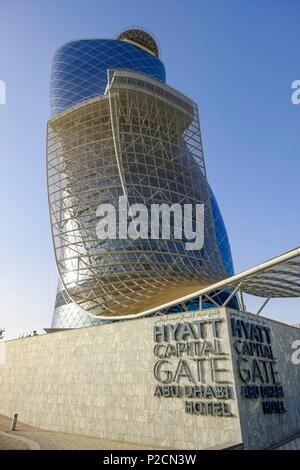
<point>179,381</point>
<point>267,380</point>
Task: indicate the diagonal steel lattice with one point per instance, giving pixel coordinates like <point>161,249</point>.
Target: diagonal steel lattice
<point>140,139</point>
<point>140,37</point>
<point>277,278</point>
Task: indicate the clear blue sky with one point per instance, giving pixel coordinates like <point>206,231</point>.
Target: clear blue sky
<point>235,58</point>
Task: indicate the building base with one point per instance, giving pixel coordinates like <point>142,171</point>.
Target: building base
<point>194,380</point>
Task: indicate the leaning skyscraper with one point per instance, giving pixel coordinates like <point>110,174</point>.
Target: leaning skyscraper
<point>118,130</point>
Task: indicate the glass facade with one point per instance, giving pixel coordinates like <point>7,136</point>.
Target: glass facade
<point>221,235</point>
<point>117,129</point>
<point>79,70</point>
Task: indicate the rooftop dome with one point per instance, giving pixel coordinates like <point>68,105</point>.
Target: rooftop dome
<point>140,38</point>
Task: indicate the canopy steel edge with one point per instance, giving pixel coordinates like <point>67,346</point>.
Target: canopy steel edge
<point>228,282</point>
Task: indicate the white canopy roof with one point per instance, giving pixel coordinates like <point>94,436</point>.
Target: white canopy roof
<point>277,278</point>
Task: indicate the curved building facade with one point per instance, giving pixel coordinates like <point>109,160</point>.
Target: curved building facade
<point>79,70</point>
<point>118,130</point>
